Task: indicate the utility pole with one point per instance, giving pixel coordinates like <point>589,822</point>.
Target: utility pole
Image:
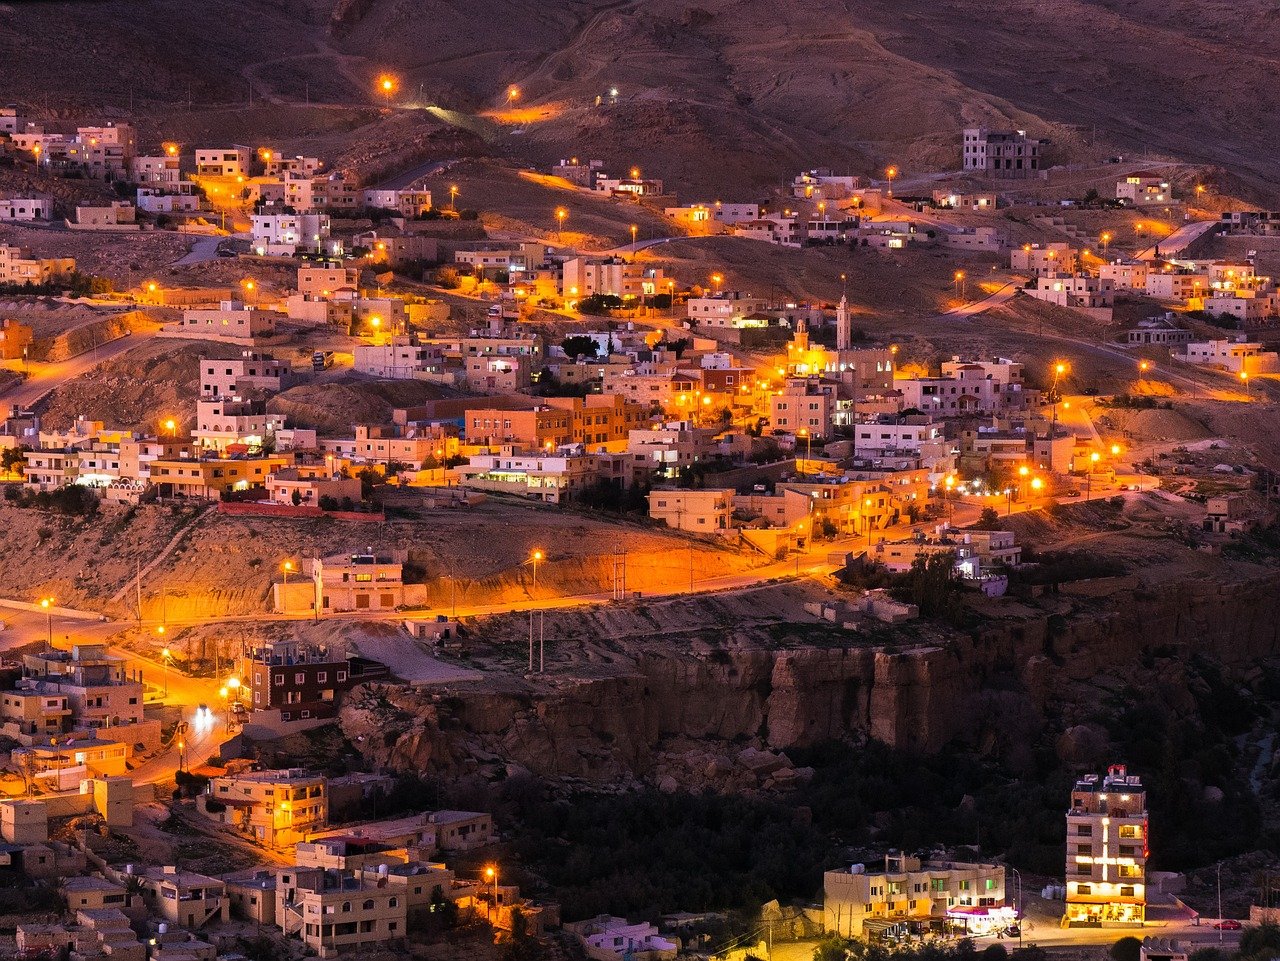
<point>530,640</point>
<point>542,635</point>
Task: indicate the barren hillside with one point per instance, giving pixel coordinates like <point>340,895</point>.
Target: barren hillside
<point>716,95</point>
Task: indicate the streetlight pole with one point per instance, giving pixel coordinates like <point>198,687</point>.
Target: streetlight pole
<point>47,604</point>
<point>1220,902</point>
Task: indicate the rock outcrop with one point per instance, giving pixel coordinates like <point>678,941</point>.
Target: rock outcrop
<point>720,715</point>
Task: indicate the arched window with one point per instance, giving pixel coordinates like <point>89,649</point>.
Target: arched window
<point>368,904</point>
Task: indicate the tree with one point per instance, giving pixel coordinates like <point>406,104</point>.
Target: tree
<point>1260,942</point>
<point>578,345</point>
<point>1126,949</point>
<point>12,459</point>
<point>296,497</point>
<point>994,952</point>
<point>988,520</point>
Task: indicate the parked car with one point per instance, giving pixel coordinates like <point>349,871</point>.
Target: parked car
<point>1228,924</point>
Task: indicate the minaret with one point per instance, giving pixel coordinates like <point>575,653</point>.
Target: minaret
<point>801,339</point>
<point>844,330</point>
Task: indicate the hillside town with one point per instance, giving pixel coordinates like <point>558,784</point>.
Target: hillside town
<point>411,553</point>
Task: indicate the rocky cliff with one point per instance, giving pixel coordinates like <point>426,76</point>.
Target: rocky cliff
<point>697,709</point>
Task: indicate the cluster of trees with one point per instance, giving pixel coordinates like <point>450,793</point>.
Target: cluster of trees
<point>75,283</point>
<point>73,500</point>
<point>835,948</point>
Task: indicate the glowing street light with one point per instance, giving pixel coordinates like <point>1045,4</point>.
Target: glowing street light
<point>286,568</point>
<point>1143,367</point>
<point>171,426</point>
<point>890,173</point>
<point>453,197</point>
<point>387,85</point>
<point>47,604</point>
<point>164,661</point>
<point>1244,379</point>
<point>491,874</point>
<point>561,214</point>
<point>1105,239</point>
<point>716,281</point>
<point>513,94</point>
<point>634,231</point>
<point>534,558</point>
<point>959,277</point>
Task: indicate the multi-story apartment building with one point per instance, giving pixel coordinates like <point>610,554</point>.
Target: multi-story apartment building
<point>334,911</point>
<point>1005,154</point>
<point>911,889</point>
<point>251,370</point>
<point>223,162</point>
<point>99,690</point>
<point>223,421</point>
<point>285,234</point>
<point>17,266</point>
<point>212,477</point>
<point>1107,849</point>
<point>277,808</point>
<point>703,511</point>
<point>181,897</point>
<point>300,681</point>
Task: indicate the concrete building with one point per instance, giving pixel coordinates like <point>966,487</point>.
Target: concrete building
<point>210,478</point>
<point>1235,356</point>
<point>1078,291</point>
<point>223,162</point>
<point>1041,259</point>
<point>1140,191</point>
<point>1107,850</point>
<point>17,266</point>
<point>729,309</point>
<point>971,895</point>
<point>232,320</point>
<point>335,911</point>
<point>26,208</point>
<point>301,681</point>
<point>276,808</point>
<point>407,203</point>
<point>283,235</point>
<point>181,897</point>
<point>224,421</point>
<point>1000,154</point>
<point>550,475</point>
<point>252,370</point>
<point>358,582</point>
<point>703,511</point>
<point>804,407</point>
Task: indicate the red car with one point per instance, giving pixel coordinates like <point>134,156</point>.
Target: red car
<point>1228,924</point>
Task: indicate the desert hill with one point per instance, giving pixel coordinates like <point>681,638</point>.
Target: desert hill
<point>712,94</point>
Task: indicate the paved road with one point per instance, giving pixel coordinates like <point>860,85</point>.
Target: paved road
<point>26,627</point>
<point>1179,240</point>
<point>44,378</point>
<point>202,251</point>
<point>964,311</point>
<point>402,180</point>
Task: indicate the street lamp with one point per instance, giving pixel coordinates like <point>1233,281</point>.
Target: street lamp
<point>234,684</point>
<point>561,214</point>
<point>716,281</point>
<point>286,568</point>
<point>171,426</point>
<point>1105,239</point>
<point>453,197</point>
<point>534,558</point>
<point>1093,463</point>
<point>164,661</point>
<point>513,94</point>
<point>376,323</point>
<point>47,604</point>
<point>1244,379</point>
<point>491,874</point>
<point>1143,367</point>
<point>960,283</point>
<point>808,441</point>
<point>866,519</point>
<point>948,482</point>
<point>181,747</point>
<point>890,173</point>
<point>386,85</point>
<point>634,230</point>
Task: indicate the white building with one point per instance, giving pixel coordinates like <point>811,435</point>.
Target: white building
<point>283,235</point>
<point>26,208</point>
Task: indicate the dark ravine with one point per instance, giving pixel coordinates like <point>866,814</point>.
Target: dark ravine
<point>980,689</point>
